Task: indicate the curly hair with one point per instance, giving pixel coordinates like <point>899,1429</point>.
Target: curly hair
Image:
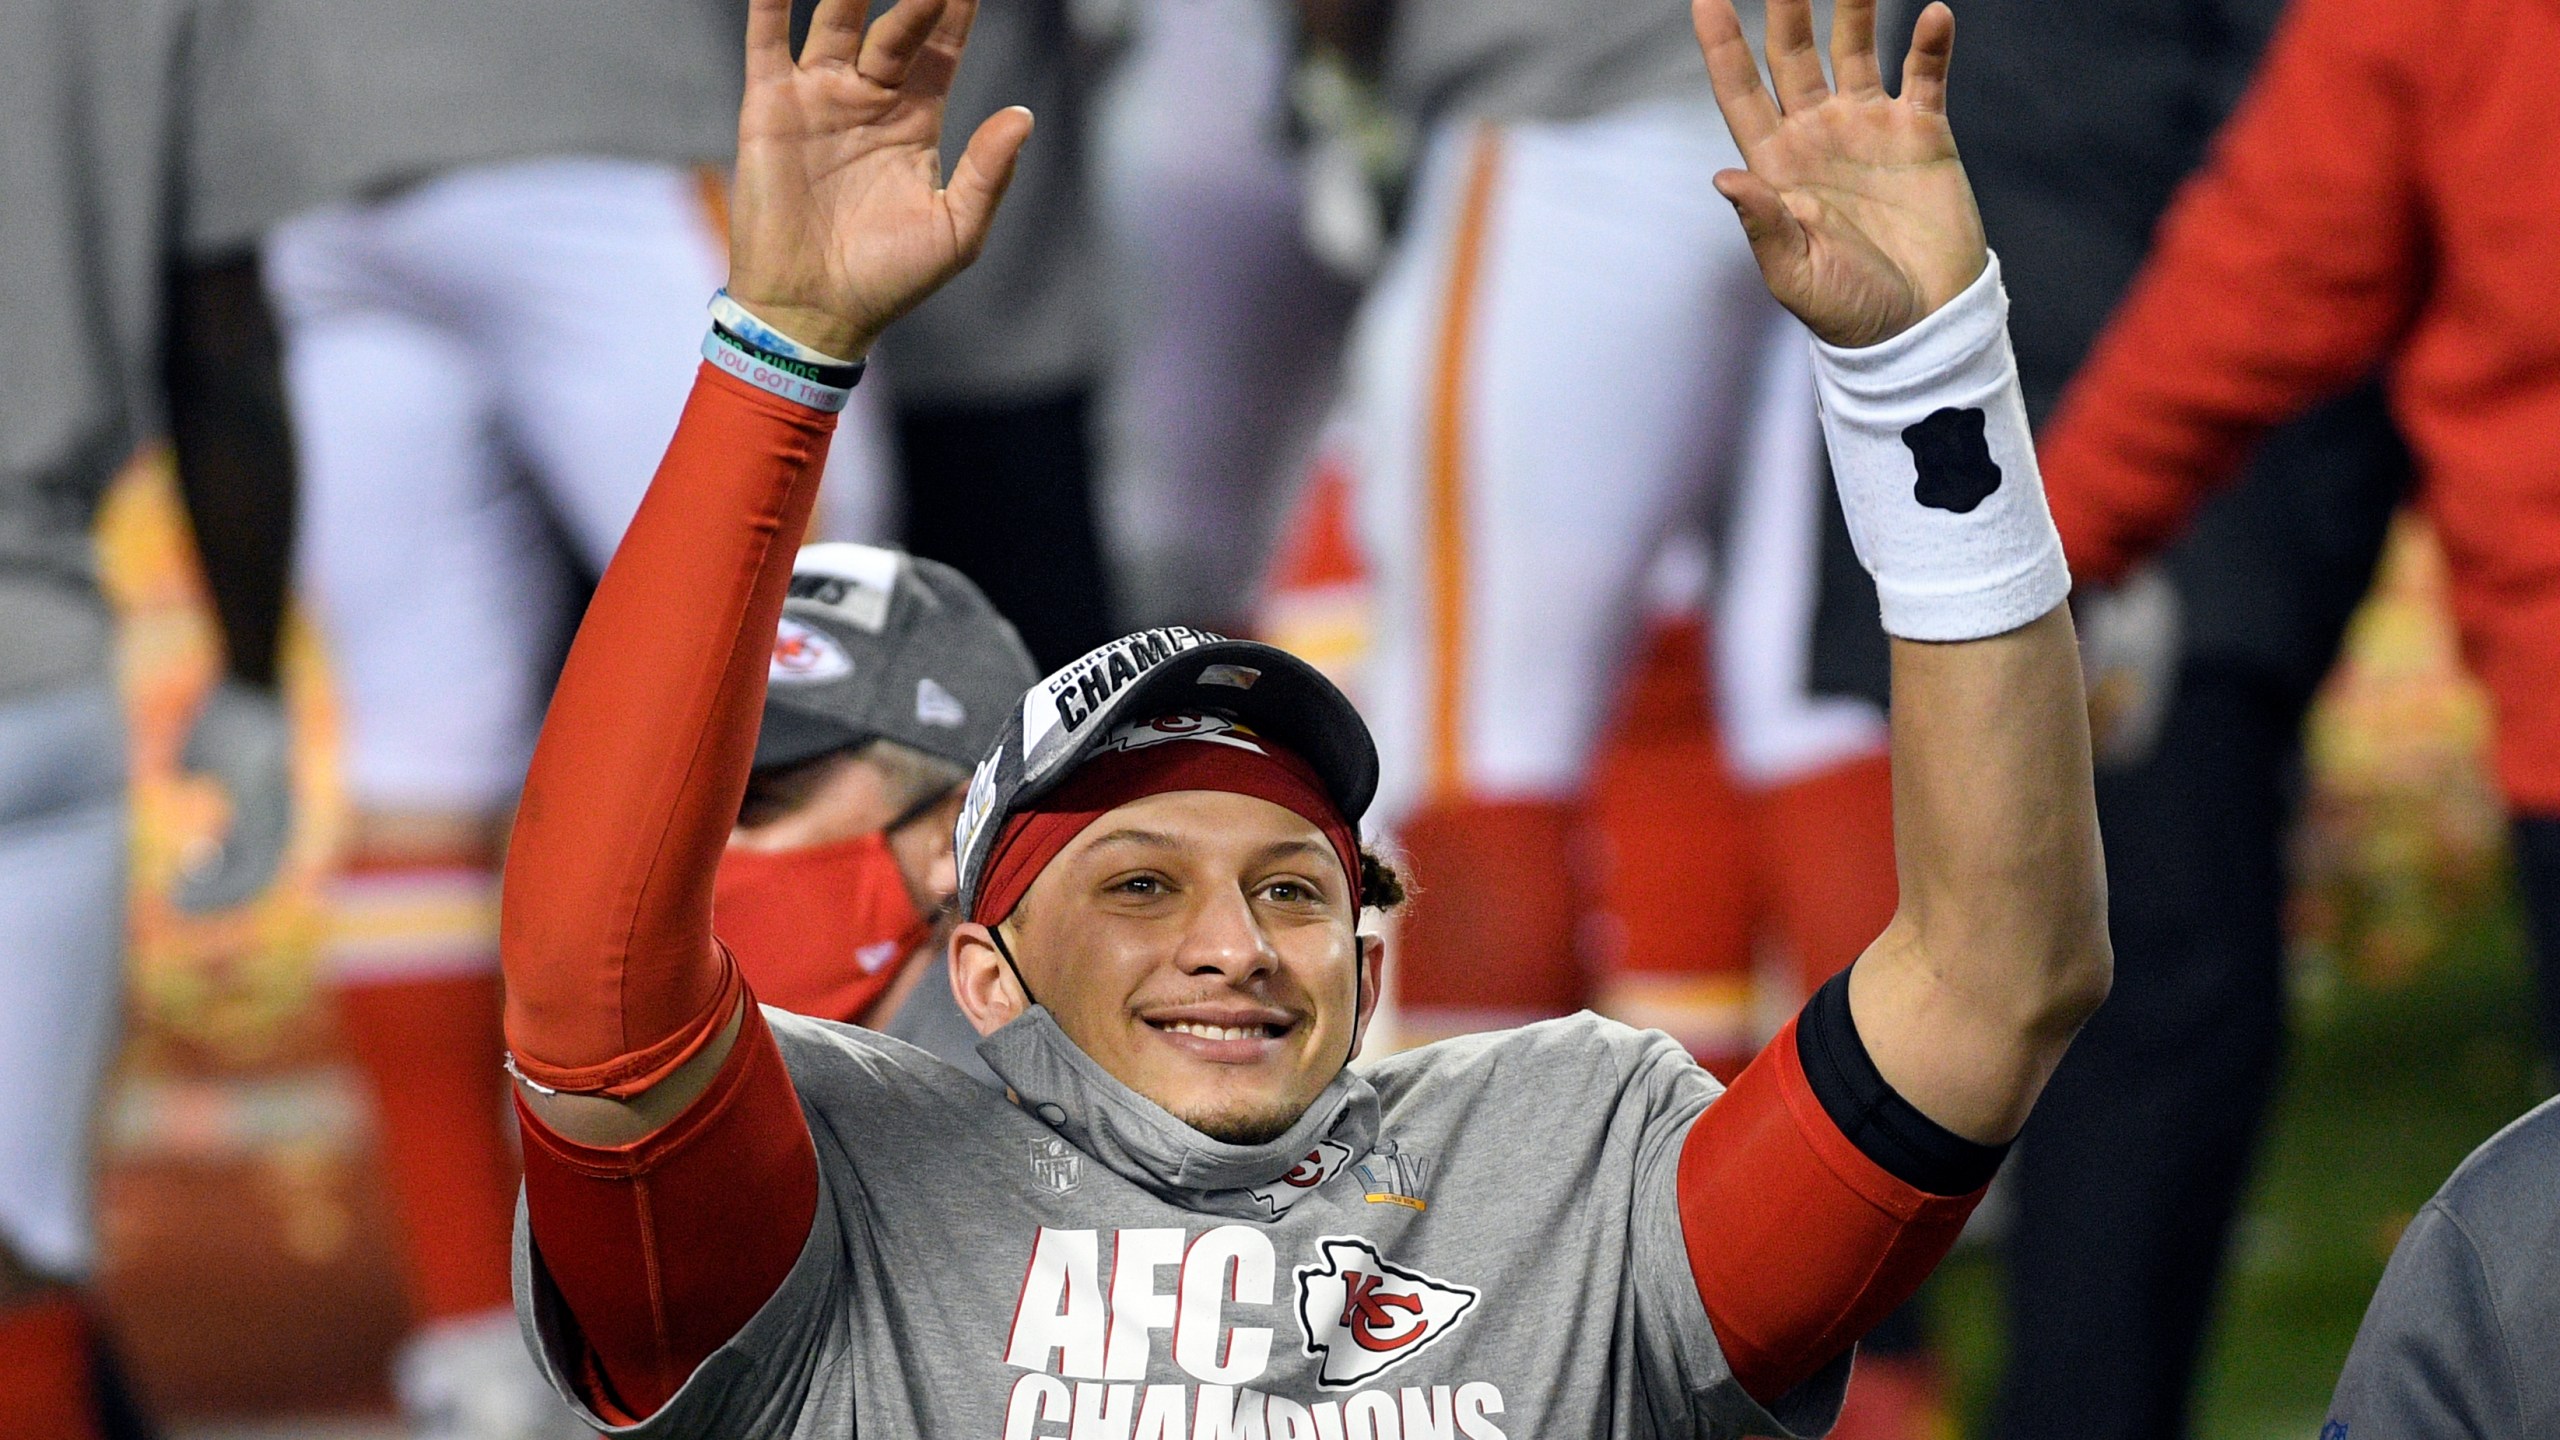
<point>1381,888</point>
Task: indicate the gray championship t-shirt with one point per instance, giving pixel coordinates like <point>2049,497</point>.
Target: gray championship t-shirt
<point>931,1020</point>
<point>2463,1337</point>
<point>1474,1240</point>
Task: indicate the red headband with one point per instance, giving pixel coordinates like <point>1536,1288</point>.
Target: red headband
<point>1033,836</point>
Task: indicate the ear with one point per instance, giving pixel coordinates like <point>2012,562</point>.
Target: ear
<point>1373,961</point>
<point>982,982</point>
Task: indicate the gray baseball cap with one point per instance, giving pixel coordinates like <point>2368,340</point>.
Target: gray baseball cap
<point>1063,720</point>
<point>877,644</point>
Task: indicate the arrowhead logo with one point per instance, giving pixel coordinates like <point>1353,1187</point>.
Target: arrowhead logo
<point>803,654</point>
<point>1319,1165</point>
<point>1364,1315</point>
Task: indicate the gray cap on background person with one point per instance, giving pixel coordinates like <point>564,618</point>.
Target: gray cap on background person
<point>877,644</point>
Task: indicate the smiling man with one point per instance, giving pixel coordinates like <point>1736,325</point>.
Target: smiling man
<point>1159,855</point>
<point>1190,1215</point>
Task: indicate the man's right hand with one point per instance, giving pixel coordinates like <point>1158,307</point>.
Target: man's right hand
<point>840,221</point>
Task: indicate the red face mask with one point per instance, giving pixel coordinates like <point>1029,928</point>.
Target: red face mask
<point>819,930</point>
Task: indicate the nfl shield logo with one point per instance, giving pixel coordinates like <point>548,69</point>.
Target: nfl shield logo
<point>1055,1165</point>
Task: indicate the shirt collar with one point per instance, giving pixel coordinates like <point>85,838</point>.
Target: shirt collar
<point>1052,1078</point>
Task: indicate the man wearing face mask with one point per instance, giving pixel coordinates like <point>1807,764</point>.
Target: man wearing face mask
<point>1189,1215</point>
<point>891,674</point>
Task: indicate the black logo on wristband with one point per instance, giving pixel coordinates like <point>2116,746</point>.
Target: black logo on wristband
<point>1957,472</point>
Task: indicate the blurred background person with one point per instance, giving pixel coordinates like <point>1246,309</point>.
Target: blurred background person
<point>2343,223</point>
<point>2462,1341</point>
<point>891,677</point>
<point>438,182</point>
<point>2384,196</point>
<point>1227,324</point>
<point>128,317</point>
<point>1740,808</point>
<point>1543,389</point>
<point>1691,865</point>
<point>992,381</point>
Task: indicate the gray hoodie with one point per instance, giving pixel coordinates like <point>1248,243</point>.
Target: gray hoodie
<point>2463,1337</point>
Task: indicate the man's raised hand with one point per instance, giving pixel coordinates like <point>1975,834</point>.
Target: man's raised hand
<point>1855,203</point>
<point>840,221</point>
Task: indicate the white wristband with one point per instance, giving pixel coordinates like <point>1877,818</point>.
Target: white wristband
<point>1937,472</point>
<point>743,323</point>
<point>796,388</point>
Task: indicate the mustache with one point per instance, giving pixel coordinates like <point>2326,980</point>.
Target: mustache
<point>1292,999</point>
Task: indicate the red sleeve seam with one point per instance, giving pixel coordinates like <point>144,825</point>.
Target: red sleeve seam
<point>1760,1356</point>
<point>626,1075</point>
<point>661,1330</point>
<point>635,1160</point>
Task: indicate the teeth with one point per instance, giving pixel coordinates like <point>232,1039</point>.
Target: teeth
<point>1217,1032</point>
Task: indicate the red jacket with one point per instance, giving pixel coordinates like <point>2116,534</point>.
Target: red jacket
<point>2388,194</point>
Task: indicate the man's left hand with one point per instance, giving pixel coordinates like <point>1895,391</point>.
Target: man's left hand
<point>1855,203</point>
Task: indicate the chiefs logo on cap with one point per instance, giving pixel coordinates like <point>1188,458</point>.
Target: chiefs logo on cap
<point>804,654</point>
<point>1165,729</point>
<point>1364,1314</point>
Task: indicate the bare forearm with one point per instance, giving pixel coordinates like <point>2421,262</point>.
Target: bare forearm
<point>1998,952</point>
<point>1998,949</point>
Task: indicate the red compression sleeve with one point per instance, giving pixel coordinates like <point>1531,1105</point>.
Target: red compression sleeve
<point>1798,1242</point>
<point>613,979</point>
<point>666,1248</point>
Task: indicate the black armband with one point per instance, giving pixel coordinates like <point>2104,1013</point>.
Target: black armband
<point>1886,1128</point>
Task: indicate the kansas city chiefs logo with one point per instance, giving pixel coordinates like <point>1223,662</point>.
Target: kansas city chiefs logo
<point>803,654</point>
<point>1319,1165</point>
<point>1364,1315</point>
